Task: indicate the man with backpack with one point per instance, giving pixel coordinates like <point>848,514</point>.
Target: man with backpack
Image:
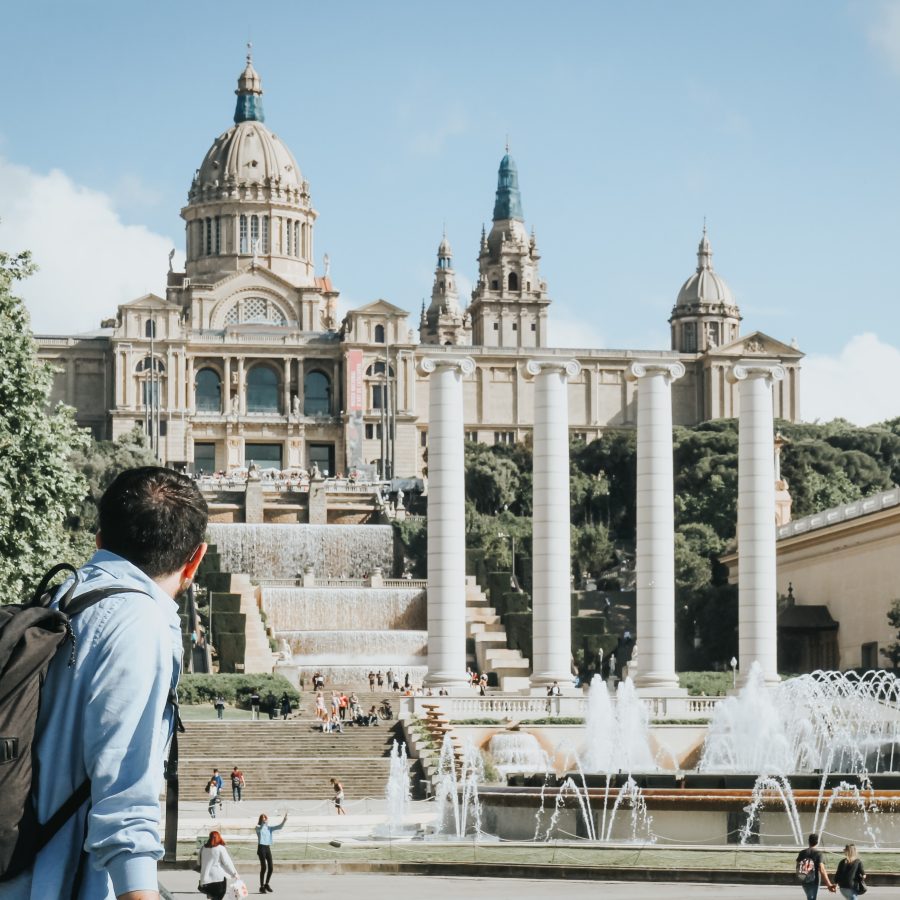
<point>105,714</point>
<point>810,869</point>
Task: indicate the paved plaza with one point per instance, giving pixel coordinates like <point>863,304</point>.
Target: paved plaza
<point>389,887</point>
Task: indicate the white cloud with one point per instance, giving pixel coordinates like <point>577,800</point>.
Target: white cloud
<point>884,32</point>
<point>859,384</point>
<point>90,261</point>
<point>431,141</point>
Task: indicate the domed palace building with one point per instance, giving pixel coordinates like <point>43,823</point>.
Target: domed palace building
<point>244,359</point>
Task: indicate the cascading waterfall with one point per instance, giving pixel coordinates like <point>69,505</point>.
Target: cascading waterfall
<point>517,751</point>
<point>285,551</point>
<point>299,609</point>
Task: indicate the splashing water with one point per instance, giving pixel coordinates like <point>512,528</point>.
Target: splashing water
<point>397,794</point>
<point>518,751</point>
<point>459,807</point>
<point>617,734</point>
<point>826,721</point>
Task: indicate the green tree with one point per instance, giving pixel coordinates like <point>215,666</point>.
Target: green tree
<point>39,489</point>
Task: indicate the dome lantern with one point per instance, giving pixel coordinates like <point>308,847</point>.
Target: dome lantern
<point>249,94</point>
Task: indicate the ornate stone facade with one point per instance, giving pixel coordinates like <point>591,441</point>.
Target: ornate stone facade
<point>243,359</point>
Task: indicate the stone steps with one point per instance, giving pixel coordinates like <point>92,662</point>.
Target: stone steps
<point>287,760</point>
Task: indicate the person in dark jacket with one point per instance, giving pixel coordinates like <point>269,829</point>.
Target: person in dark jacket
<point>285,705</point>
<point>850,873</point>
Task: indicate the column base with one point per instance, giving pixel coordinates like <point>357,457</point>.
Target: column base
<point>449,680</point>
<point>664,684</point>
<point>543,680</point>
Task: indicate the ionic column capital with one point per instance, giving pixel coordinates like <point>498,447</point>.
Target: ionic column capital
<point>567,367</point>
<point>671,371</point>
<point>429,364</point>
<point>744,371</point>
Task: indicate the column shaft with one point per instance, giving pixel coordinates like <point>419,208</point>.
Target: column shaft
<point>757,592</point>
<point>551,552</point>
<point>446,524</point>
<point>655,565</point>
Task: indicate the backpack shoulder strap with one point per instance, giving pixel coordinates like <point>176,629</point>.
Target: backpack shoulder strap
<point>48,830</point>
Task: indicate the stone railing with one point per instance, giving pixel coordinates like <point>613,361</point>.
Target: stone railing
<point>411,583</point>
<point>876,502</point>
<point>511,706</point>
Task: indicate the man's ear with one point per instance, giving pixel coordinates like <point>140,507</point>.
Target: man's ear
<point>190,568</point>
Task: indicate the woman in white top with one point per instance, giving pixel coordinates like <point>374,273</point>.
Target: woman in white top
<point>215,867</point>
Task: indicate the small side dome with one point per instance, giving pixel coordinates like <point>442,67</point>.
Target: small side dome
<point>705,287</point>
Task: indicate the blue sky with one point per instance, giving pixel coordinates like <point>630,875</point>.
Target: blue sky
<point>629,123</point>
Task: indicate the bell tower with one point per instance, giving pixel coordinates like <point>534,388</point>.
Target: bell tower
<point>509,303</point>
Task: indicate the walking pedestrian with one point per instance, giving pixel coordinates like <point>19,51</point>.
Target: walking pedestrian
<point>338,797</point>
<point>850,875</point>
<point>216,867</point>
<point>212,789</point>
<point>219,704</point>
<point>237,783</point>
<point>371,681</point>
<point>285,706</point>
<point>811,869</point>
<point>264,838</point>
<point>344,702</point>
<point>380,679</point>
<point>254,704</point>
<point>320,707</point>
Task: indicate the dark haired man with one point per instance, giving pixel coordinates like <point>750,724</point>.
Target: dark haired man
<point>811,859</point>
<point>106,716</point>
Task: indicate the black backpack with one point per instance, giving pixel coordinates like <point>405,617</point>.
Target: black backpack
<point>31,634</point>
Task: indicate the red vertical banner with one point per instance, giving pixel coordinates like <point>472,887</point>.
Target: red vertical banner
<point>355,405</point>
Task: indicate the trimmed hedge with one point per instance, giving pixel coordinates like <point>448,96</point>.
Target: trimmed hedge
<point>195,689</point>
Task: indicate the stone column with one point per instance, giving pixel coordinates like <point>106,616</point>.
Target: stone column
<point>226,385</point>
<point>551,553</point>
<point>286,386</point>
<point>241,388</point>
<point>446,521</point>
<point>655,563</point>
<point>757,593</point>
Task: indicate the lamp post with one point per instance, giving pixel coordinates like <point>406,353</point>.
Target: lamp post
<point>733,673</point>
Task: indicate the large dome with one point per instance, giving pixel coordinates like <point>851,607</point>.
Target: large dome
<point>705,287</point>
<point>248,161</point>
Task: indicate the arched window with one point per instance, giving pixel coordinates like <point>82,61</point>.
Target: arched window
<point>243,234</point>
<point>150,328</point>
<point>208,391</point>
<point>317,394</point>
<point>377,368</point>
<point>379,334</point>
<point>513,281</point>
<point>148,363</point>
<point>262,390</point>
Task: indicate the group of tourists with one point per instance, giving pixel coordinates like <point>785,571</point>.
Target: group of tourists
<point>214,787</point>
<point>343,709</point>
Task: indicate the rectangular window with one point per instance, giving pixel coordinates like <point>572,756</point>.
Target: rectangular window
<point>580,437</point>
<point>496,326</point>
<point>243,229</point>
<point>515,326</point>
<point>151,392</point>
<point>472,436</point>
<point>297,239</point>
<point>209,237</point>
<point>504,437</point>
<point>254,232</point>
<point>218,235</point>
<point>204,458</point>
<point>373,431</point>
<point>377,394</point>
<point>322,455</point>
<point>533,326</point>
<point>265,234</point>
<point>266,456</point>
<point>690,337</point>
<point>423,438</point>
<point>289,241</point>
<point>869,655</point>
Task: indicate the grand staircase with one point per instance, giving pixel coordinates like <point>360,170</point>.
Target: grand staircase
<point>289,760</point>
